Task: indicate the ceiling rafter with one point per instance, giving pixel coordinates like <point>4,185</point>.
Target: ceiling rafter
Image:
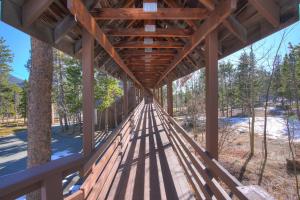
<point>77,8</point>
<point>32,10</point>
<point>231,23</point>
<point>140,32</point>
<point>138,13</point>
<point>222,11</point>
<point>269,10</point>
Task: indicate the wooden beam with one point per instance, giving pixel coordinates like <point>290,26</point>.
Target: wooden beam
<point>174,4</point>
<point>140,32</point>
<point>230,23</point>
<point>268,9</point>
<point>156,44</point>
<point>170,98</point>
<point>88,92</point>
<point>125,96</point>
<point>69,22</point>
<point>77,8</point>
<point>216,18</point>
<point>139,14</point>
<point>211,75</point>
<point>33,9</point>
<point>170,52</point>
<point>237,29</point>
<point>208,4</point>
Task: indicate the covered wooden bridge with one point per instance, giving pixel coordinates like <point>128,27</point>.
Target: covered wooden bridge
<point>148,44</point>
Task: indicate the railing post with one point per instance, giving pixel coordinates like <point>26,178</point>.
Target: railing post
<point>211,74</point>
<point>52,188</point>
<point>161,97</point>
<point>125,96</point>
<point>88,92</point>
<point>170,98</point>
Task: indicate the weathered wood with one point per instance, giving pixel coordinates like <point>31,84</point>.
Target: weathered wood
<point>88,92</point>
<point>255,192</point>
<point>33,9</point>
<point>269,10</point>
<point>217,17</point>
<point>138,13</point>
<point>211,101</point>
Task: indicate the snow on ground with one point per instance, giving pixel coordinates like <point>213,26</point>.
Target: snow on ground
<point>60,154</point>
<point>276,126</point>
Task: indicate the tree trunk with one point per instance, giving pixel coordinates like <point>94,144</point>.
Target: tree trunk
<point>39,107</point>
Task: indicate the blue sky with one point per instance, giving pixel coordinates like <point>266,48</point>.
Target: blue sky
<point>19,43</point>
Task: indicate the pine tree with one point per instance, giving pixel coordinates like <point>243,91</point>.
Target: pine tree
<point>6,58</point>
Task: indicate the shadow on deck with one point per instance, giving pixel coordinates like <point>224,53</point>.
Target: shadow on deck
<point>150,168</point>
<point>149,156</point>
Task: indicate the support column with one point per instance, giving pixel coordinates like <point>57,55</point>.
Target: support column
<point>125,97</point>
<point>170,97</point>
<point>161,97</point>
<point>211,73</point>
<point>88,92</point>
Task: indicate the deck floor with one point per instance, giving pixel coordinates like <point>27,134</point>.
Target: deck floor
<point>150,168</point>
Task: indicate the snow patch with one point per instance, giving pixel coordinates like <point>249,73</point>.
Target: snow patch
<point>276,126</point>
<point>60,154</point>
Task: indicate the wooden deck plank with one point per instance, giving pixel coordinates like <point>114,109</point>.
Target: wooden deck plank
<point>150,168</point>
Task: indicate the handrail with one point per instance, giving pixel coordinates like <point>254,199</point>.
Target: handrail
<point>23,182</point>
<point>207,171</point>
<point>102,165</point>
<point>49,176</point>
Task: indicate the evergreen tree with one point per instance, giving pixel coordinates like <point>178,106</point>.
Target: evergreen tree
<point>23,106</point>
<point>6,91</point>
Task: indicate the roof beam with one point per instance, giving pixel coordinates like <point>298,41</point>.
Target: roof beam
<point>136,52</point>
<point>77,8</point>
<point>232,24</point>
<point>33,9</point>
<point>69,22</point>
<point>268,9</point>
<point>156,44</point>
<point>208,4</point>
<point>222,11</point>
<point>237,29</point>
<point>140,32</point>
<point>139,14</point>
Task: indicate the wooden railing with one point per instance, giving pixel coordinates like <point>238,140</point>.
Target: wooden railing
<point>103,164</point>
<point>98,169</point>
<point>209,179</point>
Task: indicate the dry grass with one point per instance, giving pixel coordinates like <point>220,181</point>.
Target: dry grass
<point>277,180</point>
<point>5,131</point>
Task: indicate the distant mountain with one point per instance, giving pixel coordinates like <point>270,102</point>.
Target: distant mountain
<point>14,80</point>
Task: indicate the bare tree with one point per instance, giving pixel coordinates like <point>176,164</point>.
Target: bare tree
<point>265,147</point>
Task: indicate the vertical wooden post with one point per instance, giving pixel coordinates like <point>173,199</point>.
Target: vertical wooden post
<point>125,109</point>
<point>161,97</point>
<point>211,73</point>
<point>170,97</point>
<point>88,92</point>
<point>52,188</point>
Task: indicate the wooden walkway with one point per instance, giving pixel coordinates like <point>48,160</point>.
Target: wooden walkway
<point>150,168</point>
